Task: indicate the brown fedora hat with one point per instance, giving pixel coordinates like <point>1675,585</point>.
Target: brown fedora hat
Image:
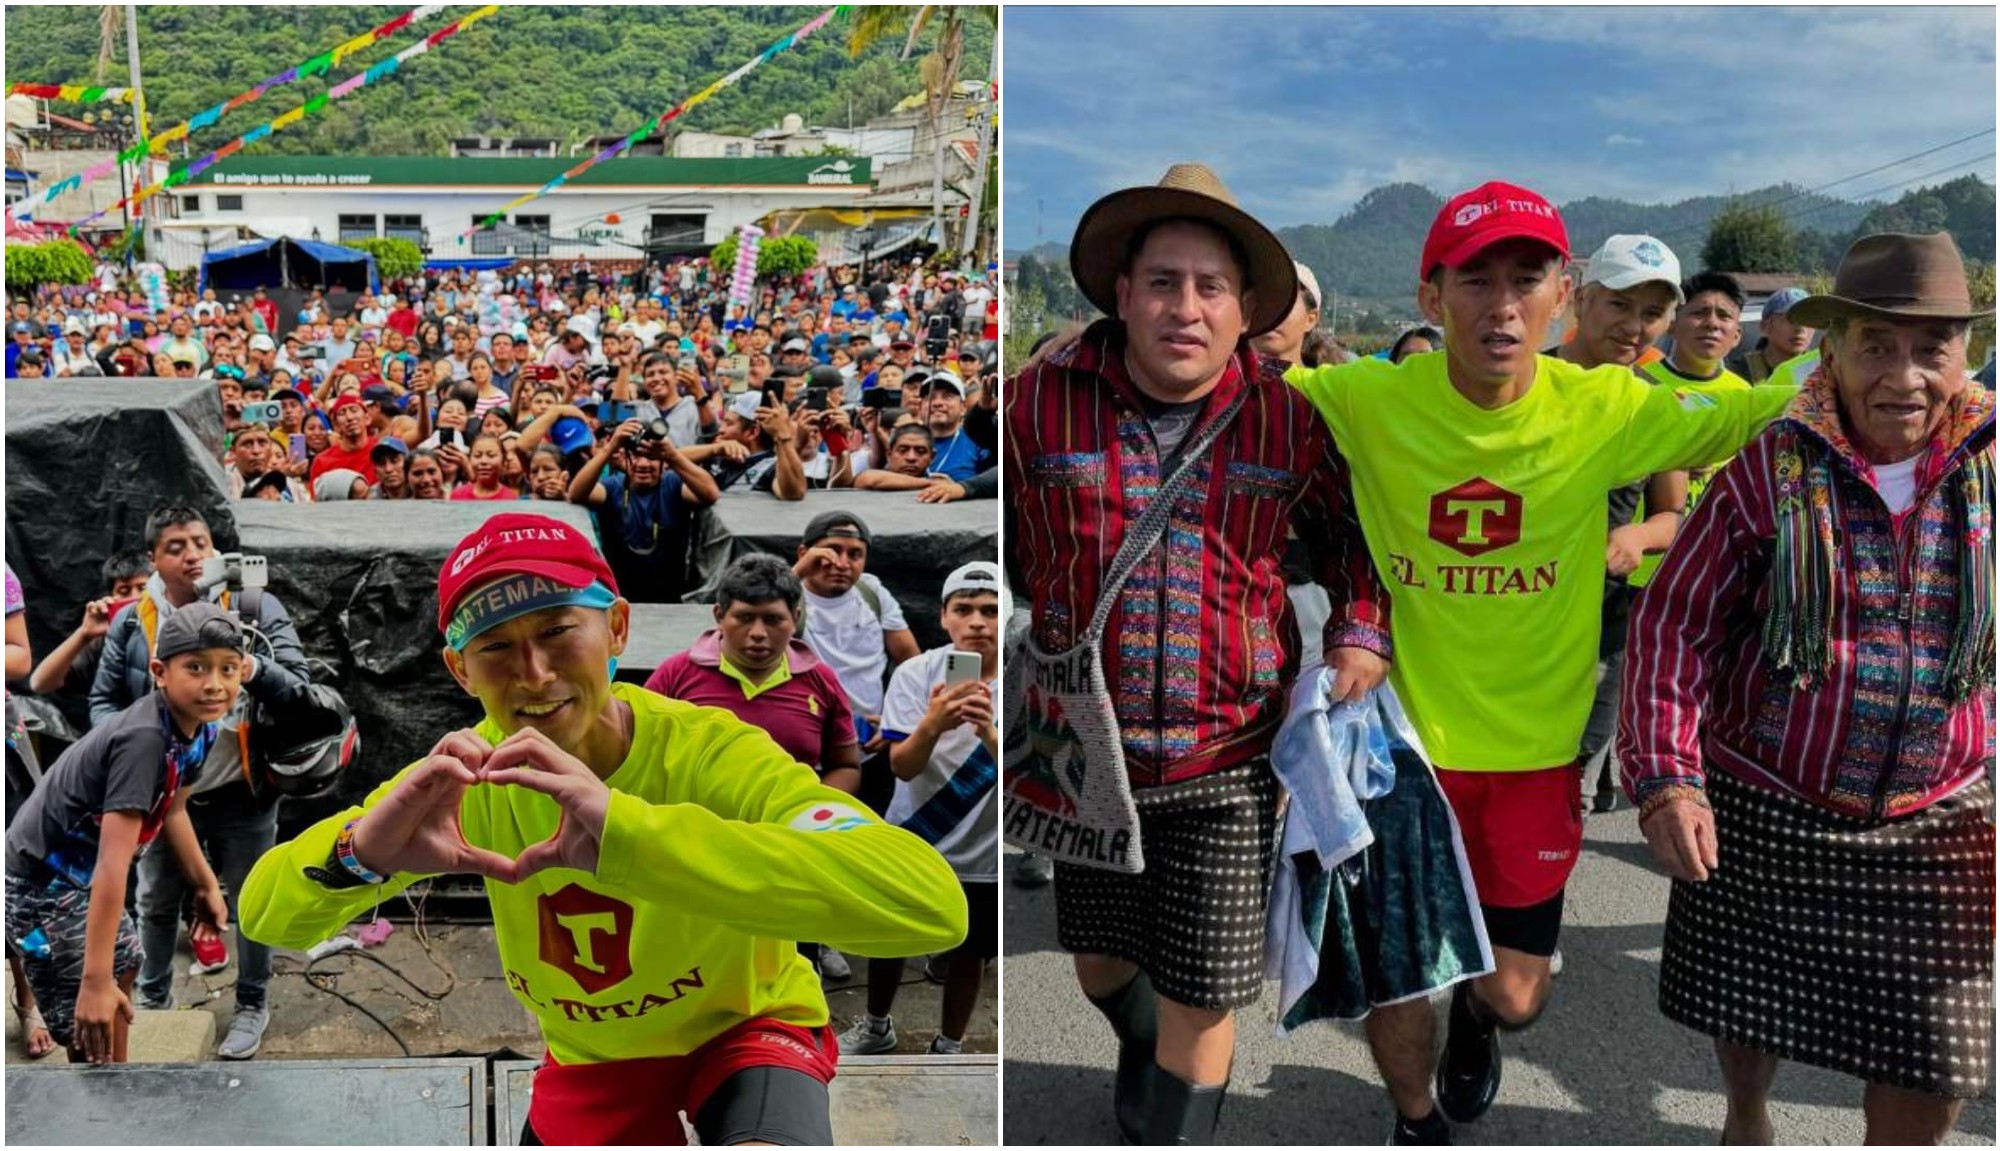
<point>1897,276</point>
<point>1190,191</point>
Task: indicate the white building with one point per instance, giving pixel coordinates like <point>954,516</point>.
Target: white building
<point>622,209</point>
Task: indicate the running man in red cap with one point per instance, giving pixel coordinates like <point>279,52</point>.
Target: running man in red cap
<point>1480,475</point>
<point>649,864</point>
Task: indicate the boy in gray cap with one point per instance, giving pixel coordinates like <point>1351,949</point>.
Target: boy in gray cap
<point>72,845</point>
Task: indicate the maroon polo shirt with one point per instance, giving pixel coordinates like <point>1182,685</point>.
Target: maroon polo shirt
<point>808,714</point>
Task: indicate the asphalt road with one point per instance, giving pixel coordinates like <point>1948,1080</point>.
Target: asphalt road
<point>1601,1067</point>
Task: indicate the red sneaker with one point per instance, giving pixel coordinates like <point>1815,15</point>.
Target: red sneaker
<point>209,953</point>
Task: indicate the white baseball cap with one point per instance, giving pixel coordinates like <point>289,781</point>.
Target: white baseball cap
<point>1310,283</point>
<point>945,379</point>
<point>262,343</point>
<point>1628,261</point>
<point>746,405</point>
<point>976,576</point>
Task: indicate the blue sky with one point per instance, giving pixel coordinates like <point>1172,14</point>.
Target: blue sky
<point>1303,110</point>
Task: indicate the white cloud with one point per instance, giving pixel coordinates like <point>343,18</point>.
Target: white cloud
<point>1303,111</point>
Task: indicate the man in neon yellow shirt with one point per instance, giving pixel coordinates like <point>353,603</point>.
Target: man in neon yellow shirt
<point>1480,477</point>
<point>1706,329</point>
<point>1624,303</point>
<point>649,863</point>
<point>1712,319</point>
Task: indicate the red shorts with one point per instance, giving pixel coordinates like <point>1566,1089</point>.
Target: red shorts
<point>1522,829</point>
<point>639,1101</point>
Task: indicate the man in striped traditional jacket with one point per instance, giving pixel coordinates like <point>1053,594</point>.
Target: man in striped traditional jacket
<point>1200,651</point>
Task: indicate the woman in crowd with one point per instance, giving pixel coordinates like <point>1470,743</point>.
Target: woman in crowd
<point>426,475</point>
<point>547,478</point>
<point>486,462</point>
<point>491,394</point>
<point>496,422</point>
<point>452,414</point>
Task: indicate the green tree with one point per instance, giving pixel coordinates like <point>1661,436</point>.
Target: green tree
<point>941,69</point>
<point>1746,239</point>
<point>776,256</point>
<point>56,262</point>
<point>394,258</point>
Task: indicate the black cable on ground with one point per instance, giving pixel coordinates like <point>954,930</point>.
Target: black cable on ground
<point>322,981</point>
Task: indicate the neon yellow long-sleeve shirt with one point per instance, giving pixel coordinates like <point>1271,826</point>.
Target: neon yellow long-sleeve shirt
<point>719,851</point>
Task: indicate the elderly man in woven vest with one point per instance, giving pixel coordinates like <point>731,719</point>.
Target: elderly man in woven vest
<point>1808,718</point>
<point>1166,406</point>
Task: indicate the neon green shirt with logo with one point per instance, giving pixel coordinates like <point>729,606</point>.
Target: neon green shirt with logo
<point>719,851</point>
<point>1487,527</point>
<point>1663,372</point>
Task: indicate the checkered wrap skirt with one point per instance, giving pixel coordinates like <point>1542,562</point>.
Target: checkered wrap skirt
<point>1863,947</point>
<point>1194,919</point>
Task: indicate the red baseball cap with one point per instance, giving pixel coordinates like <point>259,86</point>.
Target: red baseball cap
<point>1494,211</point>
<point>514,543</point>
<point>345,400</point>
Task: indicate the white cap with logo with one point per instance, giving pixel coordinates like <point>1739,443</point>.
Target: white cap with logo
<point>1628,261</point>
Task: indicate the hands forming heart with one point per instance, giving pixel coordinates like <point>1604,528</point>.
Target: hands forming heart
<point>416,826</point>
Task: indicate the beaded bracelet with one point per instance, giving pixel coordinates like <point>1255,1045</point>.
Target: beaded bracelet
<point>1665,795</point>
<point>343,849</point>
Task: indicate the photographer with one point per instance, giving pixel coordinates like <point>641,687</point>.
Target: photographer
<point>233,824</point>
<point>640,513</point>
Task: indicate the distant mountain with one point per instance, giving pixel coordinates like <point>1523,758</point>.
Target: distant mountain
<point>1371,253</point>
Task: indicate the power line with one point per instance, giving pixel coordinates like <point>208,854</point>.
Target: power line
<point>1792,219</point>
<point>1693,228</point>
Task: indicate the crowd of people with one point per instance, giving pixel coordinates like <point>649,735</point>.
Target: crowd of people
<point>643,396</point>
<point>1526,550</point>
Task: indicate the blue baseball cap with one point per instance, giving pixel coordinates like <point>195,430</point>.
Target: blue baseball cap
<point>570,434</point>
<point>1783,300</point>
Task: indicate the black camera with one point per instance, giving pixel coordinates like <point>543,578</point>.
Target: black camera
<point>653,429</point>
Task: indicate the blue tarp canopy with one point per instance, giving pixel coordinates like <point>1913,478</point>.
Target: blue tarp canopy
<point>289,263</point>
<point>471,263</point>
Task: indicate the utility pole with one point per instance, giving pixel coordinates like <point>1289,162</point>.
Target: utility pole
<point>980,157</point>
<point>138,107</point>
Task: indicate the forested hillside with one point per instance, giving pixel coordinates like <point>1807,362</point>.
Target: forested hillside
<point>558,71</point>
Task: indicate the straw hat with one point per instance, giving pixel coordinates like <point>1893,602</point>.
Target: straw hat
<point>1187,191</point>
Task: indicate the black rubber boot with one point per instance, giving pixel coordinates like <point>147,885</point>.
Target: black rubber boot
<point>1133,1012</point>
<point>1468,1074</point>
<point>1181,1114</point>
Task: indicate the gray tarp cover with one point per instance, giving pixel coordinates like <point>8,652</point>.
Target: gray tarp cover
<point>914,545</point>
<point>87,461</point>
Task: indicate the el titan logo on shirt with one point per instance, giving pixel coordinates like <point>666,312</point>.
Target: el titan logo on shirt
<point>1476,517</point>
<point>1473,518</point>
<point>588,935</point>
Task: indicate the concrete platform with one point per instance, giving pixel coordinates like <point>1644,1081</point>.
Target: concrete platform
<point>157,1036</point>
<point>434,1102</point>
<point>884,1100</point>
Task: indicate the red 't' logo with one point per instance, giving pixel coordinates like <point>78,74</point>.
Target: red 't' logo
<point>1476,517</point>
<point>588,935</point>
